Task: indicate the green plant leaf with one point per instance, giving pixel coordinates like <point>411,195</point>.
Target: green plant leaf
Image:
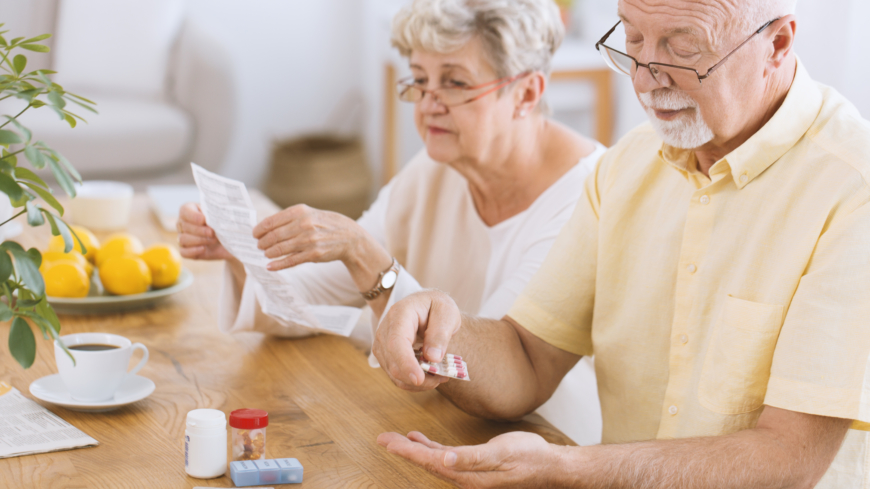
<point>3,40</point>
<point>66,164</point>
<point>21,128</point>
<point>62,178</point>
<point>40,37</point>
<point>47,197</point>
<point>16,40</point>
<point>35,157</point>
<point>5,266</point>
<point>56,99</point>
<point>5,312</point>
<point>11,245</point>
<point>45,310</point>
<point>26,303</point>
<point>60,228</point>
<point>37,104</point>
<point>29,272</point>
<point>82,105</point>
<point>22,344</point>
<point>10,187</point>
<point>28,94</point>
<point>19,62</point>
<point>34,215</point>
<point>75,235</point>
<point>81,98</point>
<point>9,137</point>
<point>22,173</point>
<point>35,256</point>
<point>39,48</point>
<point>69,119</point>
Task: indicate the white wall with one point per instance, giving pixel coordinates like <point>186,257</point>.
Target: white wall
<point>295,61</point>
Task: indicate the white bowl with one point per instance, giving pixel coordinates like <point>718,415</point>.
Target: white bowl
<point>102,205</point>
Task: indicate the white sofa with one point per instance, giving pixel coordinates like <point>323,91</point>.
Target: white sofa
<point>164,89</point>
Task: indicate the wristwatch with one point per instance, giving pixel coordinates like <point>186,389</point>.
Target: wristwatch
<point>386,281</point>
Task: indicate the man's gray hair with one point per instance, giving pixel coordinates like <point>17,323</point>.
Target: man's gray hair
<point>517,35</point>
<point>754,13</point>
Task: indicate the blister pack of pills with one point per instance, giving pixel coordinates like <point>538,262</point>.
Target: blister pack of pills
<point>450,366</point>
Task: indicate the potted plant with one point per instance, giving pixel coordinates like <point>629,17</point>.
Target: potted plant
<point>22,290</point>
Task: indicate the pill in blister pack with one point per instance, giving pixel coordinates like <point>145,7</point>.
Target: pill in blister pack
<point>450,366</point>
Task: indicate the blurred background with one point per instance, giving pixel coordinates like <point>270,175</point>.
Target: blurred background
<point>296,97</point>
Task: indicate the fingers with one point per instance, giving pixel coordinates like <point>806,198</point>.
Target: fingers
<point>421,438</point>
<point>185,227</point>
<point>188,240</point>
<point>430,458</point>
<point>402,365</point>
<point>475,458</point>
<point>443,322</point>
<point>191,213</point>
<point>394,340</point>
<point>279,219</point>
<point>195,252</point>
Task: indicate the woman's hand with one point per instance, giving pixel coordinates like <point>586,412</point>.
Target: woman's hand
<point>195,238</point>
<point>300,234</point>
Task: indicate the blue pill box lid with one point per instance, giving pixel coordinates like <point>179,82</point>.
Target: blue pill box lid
<point>288,463</point>
<point>266,464</point>
<point>242,467</point>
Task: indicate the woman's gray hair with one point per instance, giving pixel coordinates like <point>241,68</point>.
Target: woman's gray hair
<point>517,35</point>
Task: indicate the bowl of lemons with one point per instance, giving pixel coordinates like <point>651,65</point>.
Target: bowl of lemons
<point>116,275</point>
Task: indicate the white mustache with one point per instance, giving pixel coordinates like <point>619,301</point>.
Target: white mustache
<point>666,99</point>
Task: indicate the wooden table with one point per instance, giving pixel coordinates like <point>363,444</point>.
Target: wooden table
<point>326,405</point>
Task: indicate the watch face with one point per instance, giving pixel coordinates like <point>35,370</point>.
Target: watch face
<point>389,279</point>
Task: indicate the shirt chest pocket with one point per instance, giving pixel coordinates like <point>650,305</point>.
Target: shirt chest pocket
<point>737,364</point>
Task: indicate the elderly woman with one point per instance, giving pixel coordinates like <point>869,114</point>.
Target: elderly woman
<point>473,215</point>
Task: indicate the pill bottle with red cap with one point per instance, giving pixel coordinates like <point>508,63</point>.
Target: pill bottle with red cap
<point>249,434</point>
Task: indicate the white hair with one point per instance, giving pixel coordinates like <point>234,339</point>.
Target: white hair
<point>683,132</point>
<point>517,35</point>
<point>754,13</point>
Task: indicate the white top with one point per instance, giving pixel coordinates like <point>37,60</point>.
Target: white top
<point>517,248</point>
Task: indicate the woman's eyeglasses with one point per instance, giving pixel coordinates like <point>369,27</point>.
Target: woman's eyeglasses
<point>410,91</point>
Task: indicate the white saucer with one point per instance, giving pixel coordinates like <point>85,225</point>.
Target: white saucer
<point>52,389</point>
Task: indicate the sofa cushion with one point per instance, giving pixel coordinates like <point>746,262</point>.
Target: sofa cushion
<point>115,46</point>
<point>128,136</point>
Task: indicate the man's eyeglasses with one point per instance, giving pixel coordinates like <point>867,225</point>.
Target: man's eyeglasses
<point>411,91</point>
<point>682,77</point>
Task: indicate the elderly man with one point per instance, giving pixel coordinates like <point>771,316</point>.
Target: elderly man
<point>718,268</point>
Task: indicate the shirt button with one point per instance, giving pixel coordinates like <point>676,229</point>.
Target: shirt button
<point>692,268</point>
<point>684,339</point>
<point>705,200</point>
<point>744,178</point>
<point>672,410</point>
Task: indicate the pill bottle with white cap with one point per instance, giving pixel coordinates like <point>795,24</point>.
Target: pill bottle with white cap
<point>205,443</point>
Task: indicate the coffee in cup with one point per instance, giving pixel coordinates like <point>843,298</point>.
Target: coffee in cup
<point>101,364</point>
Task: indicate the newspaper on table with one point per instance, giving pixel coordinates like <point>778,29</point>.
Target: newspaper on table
<point>27,428</point>
<point>230,212</point>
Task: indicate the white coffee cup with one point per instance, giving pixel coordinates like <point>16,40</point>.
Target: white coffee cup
<point>96,375</point>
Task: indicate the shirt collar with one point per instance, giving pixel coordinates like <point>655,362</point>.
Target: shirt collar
<point>787,126</point>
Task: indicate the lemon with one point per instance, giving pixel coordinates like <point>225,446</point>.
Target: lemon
<point>88,239</point>
<point>125,275</point>
<point>117,245</point>
<point>165,264</point>
<point>65,278</point>
<point>49,257</point>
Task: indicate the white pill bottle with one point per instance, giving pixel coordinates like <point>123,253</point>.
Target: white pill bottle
<point>205,444</point>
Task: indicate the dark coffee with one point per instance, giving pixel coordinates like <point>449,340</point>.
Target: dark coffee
<point>93,347</point>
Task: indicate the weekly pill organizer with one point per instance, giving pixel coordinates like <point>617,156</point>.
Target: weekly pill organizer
<point>258,472</point>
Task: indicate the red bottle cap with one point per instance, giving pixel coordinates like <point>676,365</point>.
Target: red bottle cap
<point>249,419</point>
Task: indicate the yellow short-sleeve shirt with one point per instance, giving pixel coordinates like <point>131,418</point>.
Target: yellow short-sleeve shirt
<point>704,299</point>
